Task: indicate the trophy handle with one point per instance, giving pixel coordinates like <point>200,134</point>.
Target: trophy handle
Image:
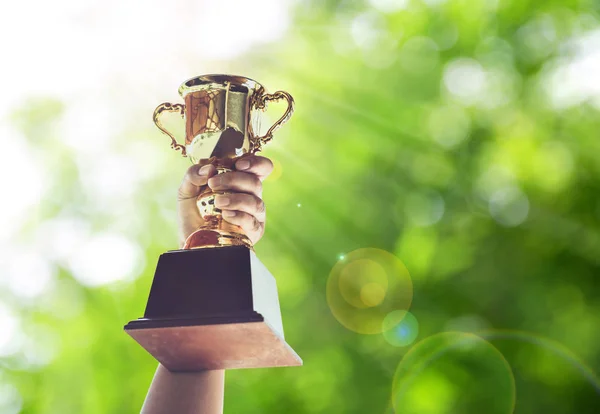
<point>261,103</point>
<point>169,107</point>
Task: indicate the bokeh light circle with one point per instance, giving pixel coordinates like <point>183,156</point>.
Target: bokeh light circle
<point>367,285</point>
<point>453,372</point>
<point>372,294</point>
<point>359,280</point>
<point>400,328</point>
<point>509,206</point>
<point>558,367</point>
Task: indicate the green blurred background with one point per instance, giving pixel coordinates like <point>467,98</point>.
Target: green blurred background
<point>462,137</point>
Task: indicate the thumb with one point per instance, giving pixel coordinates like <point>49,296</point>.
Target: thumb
<point>195,177</point>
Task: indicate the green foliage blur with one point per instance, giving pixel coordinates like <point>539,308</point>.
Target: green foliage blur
<point>434,130</point>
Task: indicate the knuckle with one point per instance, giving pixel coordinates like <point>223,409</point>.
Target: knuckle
<point>260,206</point>
<point>255,224</point>
<point>244,221</point>
<point>257,185</point>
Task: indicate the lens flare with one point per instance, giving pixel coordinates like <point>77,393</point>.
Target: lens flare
<point>400,328</point>
<point>365,286</point>
<point>550,345</point>
<point>359,279</point>
<point>454,369</point>
<point>372,294</point>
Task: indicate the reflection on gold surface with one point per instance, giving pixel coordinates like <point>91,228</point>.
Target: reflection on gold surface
<point>365,286</point>
<point>205,111</point>
<point>220,118</point>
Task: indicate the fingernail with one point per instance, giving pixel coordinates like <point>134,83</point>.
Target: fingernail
<point>222,201</point>
<point>228,213</point>
<point>204,170</point>
<point>215,181</point>
<point>242,164</point>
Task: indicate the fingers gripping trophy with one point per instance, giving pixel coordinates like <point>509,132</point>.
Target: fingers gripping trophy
<point>213,304</point>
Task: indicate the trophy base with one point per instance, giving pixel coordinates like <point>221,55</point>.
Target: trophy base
<point>213,309</point>
<point>186,345</point>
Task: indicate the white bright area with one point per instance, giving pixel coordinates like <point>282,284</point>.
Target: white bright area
<point>110,63</point>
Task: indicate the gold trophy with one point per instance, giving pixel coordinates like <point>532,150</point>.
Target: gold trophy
<point>213,304</point>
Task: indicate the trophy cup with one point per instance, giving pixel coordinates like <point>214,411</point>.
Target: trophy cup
<point>213,304</point>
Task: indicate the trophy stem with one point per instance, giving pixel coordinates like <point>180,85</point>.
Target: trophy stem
<point>215,232</point>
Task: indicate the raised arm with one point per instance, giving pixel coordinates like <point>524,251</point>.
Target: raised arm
<point>185,393</point>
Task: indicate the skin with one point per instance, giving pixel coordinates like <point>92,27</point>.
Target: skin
<point>243,205</point>
<point>202,392</point>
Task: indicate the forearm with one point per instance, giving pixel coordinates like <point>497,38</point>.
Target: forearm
<point>185,392</point>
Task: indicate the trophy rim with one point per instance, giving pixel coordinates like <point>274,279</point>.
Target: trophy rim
<point>218,80</point>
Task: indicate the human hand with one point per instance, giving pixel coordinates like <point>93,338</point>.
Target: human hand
<point>243,206</point>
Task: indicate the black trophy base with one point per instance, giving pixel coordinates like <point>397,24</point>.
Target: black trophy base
<point>213,309</point>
